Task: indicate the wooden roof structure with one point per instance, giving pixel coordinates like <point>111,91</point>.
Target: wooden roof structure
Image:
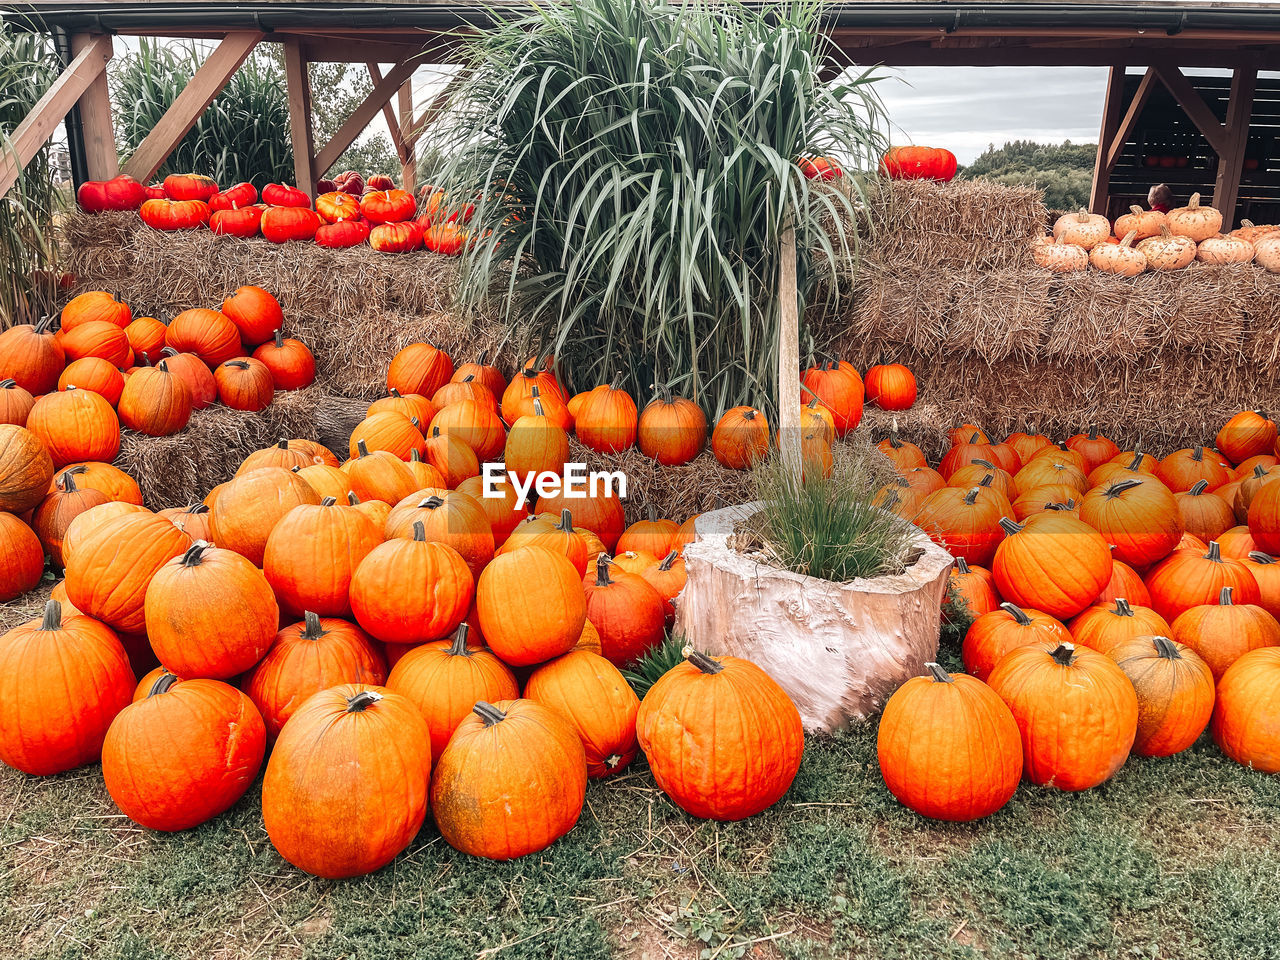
<point>1161,36</point>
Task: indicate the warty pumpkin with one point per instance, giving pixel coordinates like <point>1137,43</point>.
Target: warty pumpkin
<point>184,754</point>
<point>1175,693</point>
<point>312,553</point>
<point>1142,223</point>
<point>1076,710</point>
<point>1224,249</point>
<point>511,782</point>
<point>1168,251</point>
<point>341,747</point>
<point>1082,228</point>
<point>210,613</point>
<point>1060,257</point>
<point>1246,716</point>
<point>948,747</point>
<point>306,657</point>
<point>723,740</point>
<point>62,682</point>
<point>1222,632</point>
<point>1194,221</point>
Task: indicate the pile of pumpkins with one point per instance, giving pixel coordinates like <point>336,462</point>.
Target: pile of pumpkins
<point>382,628</point>
<point>1142,240</point>
<point>348,213</point>
<point>1120,603</point>
<point>104,369</point>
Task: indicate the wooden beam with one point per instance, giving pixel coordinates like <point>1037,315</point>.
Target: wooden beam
<point>37,126</point>
<point>99,135</point>
<point>389,112</point>
<point>1193,104</point>
<point>1226,188</point>
<point>1130,119</point>
<point>1112,108</point>
<point>789,355</point>
<point>408,141</point>
<point>208,82</point>
<point>301,130</point>
<point>366,111</point>
<point>437,105</point>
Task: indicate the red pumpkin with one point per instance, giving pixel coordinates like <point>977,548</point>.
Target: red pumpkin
<point>395,237</point>
<point>626,610</point>
<point>342,234</point>
<point>291,364</point>
<point>819,168</point>
<point>241,195</point>
<point>1076,710</point>
<point>447,239</point>
<point>388,206</point>
<point>919,163</point>
<point>189,186</point>
<point>62,682</point>
<point>119,193</point>
<point>953,716</point>
<point>839,389</point>
<point>174,214</point>
<point>283,195</point>
<point>244,384</point>
<point>184,754</point>
<point>195,373</point>
<point>343,746</point>
<point>891,387</point>
<point>255,313</point>
<point>243,222</point>
<point>282,224</point>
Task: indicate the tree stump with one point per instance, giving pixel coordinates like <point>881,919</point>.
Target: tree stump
<point>838,649</point>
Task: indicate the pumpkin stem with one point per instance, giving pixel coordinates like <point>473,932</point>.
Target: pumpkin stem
<point>1200,487</point>
<point>1068,506</point>
<point>484,355</point>
<point>962,565</point>
<point>66,482</point>
<point>566,522</point>
<point>419,532</point>
<point>1258,557</point>
<point>894,441</point>
<point>487,712</point>
<point>1215,553</point>
<point>1122,608</point>
<point>1257,472</point>
<point>939,675</point>
<point>1064,654</point>
<point>1224,597</point>
<point>1018,614</point>
<point>43,324</point>
<point>194,555</point>
<point>52,616</point>
<point>1120,486</point>
<point>1165,648</point>
<point>352,498</point>
<point>196,508</point>
<point>1197,454</point>
<point>984,463</point>
<point>537,406</point>
<point>328,501</point>
<point>1093,432</point>
<point>8,383</point>
<point>602,570</point>
<point>415,456</point>
<point>162,684</point>
<point>394,392</point>
<point>432,502</point>
<point>971,497</point>
<point>312,628</point>
<point>749,415</point>
<point>702,661</point>
<point>239,364</point>
<point>459,646</point>
<point>279,339</point>
<point>986,480</point>
<point>665,563</point>
<point>1009,526</point>
<point>974,437</point>
<point>362,701</point>
<point>362,449</point>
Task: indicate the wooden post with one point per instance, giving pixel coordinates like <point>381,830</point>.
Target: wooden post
<point>1226,188</point>
<point>38,125</point>
<point>305,169</point>
<point>408,137</point>
<point>789,354</point>
<point>186,108</point>
<point>1129,121</point>
<point>1112,109</point>
<point>101,160</point>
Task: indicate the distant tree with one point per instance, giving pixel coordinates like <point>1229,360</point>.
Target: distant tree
<point>1063,171</point>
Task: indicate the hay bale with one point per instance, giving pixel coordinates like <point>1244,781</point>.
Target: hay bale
<point>180,469</point>
<point>1261,299</point>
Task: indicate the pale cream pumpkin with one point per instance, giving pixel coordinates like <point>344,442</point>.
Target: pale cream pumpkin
<point>1253,232</point>
<point>1266,253</point>
<point>1194,220</point>
<point>1168,251</point>
<point>1222,249</point>
<point>1060,257</point>
<point>1144,223</point>
<point>1084,229</point>
<point>1119,258</point>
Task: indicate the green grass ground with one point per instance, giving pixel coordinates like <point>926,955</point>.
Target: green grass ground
<point>1173,858</point>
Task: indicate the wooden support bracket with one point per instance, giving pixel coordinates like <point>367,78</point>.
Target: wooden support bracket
<point>369,107</point>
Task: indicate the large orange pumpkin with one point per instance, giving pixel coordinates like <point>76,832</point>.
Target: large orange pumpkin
<point>32,355</point>
<point>75,425</point>
<point>992,635</point>
<point>511,781</point>
<point>1222,632</point>
<point>1076,710</point>
<point>249,507</point>
<point>1175,693</point>
<point>606,421</point>
<point>451,518</point>
<point>1052,562</point>
<point>1247,434</point>
<point>1205,515</point>
<point>53,516</point>
<point>1139,518</point>
<point>531,605</point>
<point>1187,579</point>
<point>965,522</point>
<point>379,475</point>
<point>155,401</point>
<point>592,694</point>
<point>306,657</point>
<point>419,368</point>
<point>210,613</point>
<point>1102,627</point>
<point>740,438</point>
<point>342,747</point>
<point>391,432</point>
<point>96,374</point>
<point>626,610</point>
<point>671,430</point>
<point>312,553</point>
<point>184,754</point>
<point>26,469</point>
<point>1246,718</point>
<point>948,747</point>
<point>208,334</point>
<point>62,682</point>
<point>723,740</point>
<point>536,445</point>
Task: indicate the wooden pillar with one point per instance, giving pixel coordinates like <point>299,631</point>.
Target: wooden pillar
<point>305,170</point>
<point>408,137</point>
<point>37,126</point>
<point>789,355</point>
<point>101,160</point>
<point>208,81</point>
<point>1226,188</point>
<point>1112,109</point>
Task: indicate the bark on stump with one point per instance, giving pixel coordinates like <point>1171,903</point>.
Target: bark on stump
<point>839,650</point>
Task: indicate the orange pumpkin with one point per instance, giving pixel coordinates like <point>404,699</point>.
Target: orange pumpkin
<point>1139,518</point>
<point>379,475</point>
<point>1205,515</point>
<point>419,368</point>
<point>312,554</point>
<point>1052,562</point>
<point>1247,713</point>
<point>50,522</point>
<point>606,420</point>
<point>249,507</point>
<point>1103,627</point>
<point>531,605</point>
<point>1175,693</point>
<point>626,610</point>
<point>1188,578</point>
<point>1249,433</point>
<point>75,425</point>
<point>992,635</point>
<point>672,430</point>
<point>1221,633</point>
<point>593,696</point>
<point>965,522</point>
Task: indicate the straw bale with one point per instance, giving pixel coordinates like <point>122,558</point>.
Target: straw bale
<point>892,305</point>
<point>182,468</point>
<point>1261,299</point>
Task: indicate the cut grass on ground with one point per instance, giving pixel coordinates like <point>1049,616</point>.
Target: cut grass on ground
<point>1173,858</point>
